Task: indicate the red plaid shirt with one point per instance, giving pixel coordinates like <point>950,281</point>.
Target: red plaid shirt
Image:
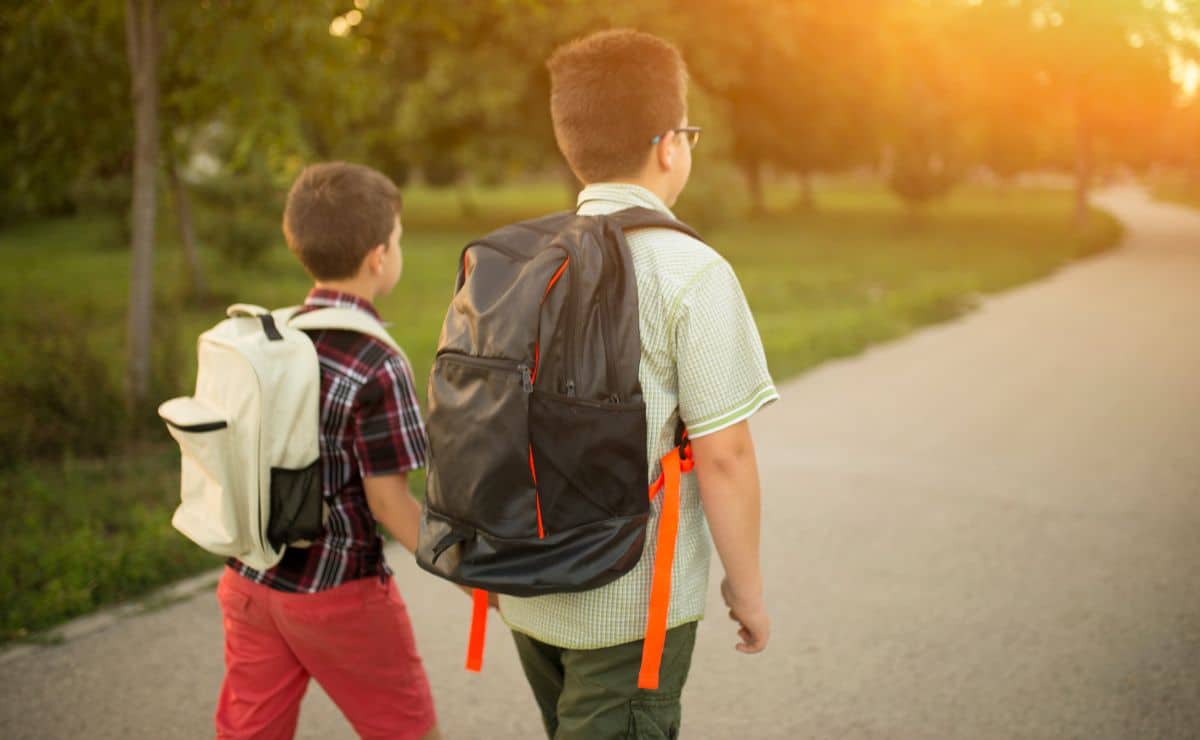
<point>370,425</point>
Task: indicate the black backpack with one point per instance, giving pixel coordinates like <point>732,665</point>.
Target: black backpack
<point>537,426</point>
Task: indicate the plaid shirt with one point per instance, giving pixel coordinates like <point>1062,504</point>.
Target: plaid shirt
<point>370,425</point>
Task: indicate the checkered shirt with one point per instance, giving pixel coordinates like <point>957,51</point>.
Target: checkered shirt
<point>370,425</point>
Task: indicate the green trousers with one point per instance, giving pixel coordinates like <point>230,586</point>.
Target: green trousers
<point>593,694</point>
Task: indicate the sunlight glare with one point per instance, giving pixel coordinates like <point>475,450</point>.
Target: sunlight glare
<point>339,27</point>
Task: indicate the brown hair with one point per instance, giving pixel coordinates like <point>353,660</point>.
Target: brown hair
<point>336,213</point>
<point>610,94</point>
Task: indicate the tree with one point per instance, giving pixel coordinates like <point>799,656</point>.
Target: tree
<point>64,104</point>
<point>143,37</point>
<point>800,80</point>
<point>1103,67</point>
<point>925,95</point>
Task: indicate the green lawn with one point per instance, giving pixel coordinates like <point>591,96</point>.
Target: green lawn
<point>82,533</point>
<point>1178,193</point>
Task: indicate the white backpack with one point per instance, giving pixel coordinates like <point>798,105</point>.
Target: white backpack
<point>250,480</point>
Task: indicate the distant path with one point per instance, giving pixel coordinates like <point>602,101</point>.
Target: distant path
<point>988,530</point>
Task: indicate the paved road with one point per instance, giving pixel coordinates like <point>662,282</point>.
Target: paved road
<point>989,530</point>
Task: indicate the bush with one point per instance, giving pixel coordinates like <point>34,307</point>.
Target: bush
<point>240,216</point>
<point>57,395</point>
<point>714,196</point>
<point>82,534</point>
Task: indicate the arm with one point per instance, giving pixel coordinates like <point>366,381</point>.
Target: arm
<point>727,471</point>
<point>394,507</point>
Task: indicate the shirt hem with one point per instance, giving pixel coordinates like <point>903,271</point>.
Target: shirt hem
<point>601,644</point>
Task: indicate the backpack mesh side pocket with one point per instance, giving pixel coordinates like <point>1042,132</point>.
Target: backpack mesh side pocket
<point>297,506</point>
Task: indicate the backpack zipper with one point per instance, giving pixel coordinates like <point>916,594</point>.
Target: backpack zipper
<point>572,299</point>
<point>208,426</point>
<point>523,371</point>
<point>610,364</point>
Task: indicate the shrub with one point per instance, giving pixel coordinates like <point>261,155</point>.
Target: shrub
<point>239,215</point>
<point>57,395</point>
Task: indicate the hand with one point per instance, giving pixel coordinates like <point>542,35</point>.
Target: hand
<point>751,615</point>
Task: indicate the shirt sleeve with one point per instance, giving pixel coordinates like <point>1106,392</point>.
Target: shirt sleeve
<point>723,376</point>
<point>389,433</point>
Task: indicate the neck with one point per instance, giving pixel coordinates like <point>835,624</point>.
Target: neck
<point>655,185</point>
<point>357,287</point>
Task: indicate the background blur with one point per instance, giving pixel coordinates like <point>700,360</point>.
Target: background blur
<point>868,166</point>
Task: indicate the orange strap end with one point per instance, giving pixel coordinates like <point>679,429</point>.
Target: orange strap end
<point>479,612</point>
<point>660,586</point>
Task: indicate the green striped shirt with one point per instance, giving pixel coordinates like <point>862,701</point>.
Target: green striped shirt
<point>702,360</point>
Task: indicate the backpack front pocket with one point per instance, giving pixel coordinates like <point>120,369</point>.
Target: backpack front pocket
<point>479,418</point>
<point>590,458</point>
<point>206,512</point>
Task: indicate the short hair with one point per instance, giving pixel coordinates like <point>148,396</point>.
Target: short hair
<point>336,213</point>
<point>611,93</point>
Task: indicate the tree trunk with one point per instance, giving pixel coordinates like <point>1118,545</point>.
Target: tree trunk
<point>467,206</point>
<point>142,40</point>
<point>752,168</point>
<point>197,287</point>
<point>1084,170</point>
<point>808,200</point>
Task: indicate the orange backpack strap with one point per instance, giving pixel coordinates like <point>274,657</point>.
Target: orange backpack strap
<point>479,613</point>
<point>674,464</point>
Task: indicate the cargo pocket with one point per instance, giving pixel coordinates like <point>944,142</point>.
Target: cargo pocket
<point>298,510</point>
<point>206,513</point>
<point>654,718</point>
<point>590,459</point>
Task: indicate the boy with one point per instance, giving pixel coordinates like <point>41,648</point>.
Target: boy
<point>331,611</point>
<point>619,108</point>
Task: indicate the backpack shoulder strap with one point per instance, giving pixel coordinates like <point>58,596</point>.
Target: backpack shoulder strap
<point>243,310</point>
<point>648,218</point>
<point>346,319</point>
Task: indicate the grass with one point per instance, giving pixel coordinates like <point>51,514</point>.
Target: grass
<point>1181,194</point>
<point>1176,186</point>
<point>82,533</point>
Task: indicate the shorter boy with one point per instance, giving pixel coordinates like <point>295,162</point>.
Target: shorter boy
<point>331,611</point>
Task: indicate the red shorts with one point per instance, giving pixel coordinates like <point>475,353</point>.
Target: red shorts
<point>355,640</point>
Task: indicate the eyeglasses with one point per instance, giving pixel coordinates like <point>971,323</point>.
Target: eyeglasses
<point>692,133</point>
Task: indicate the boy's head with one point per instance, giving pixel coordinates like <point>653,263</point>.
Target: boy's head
<point>342,221</point>
<point>615,99</point>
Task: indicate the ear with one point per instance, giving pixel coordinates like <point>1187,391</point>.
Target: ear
<point>664,151</point>
<point>375,258</point>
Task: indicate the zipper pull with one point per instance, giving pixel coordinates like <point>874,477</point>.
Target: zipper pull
<point>526,379</point>
<point>571,388</point>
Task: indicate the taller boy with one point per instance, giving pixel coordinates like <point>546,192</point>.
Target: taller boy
<point>619,106</point>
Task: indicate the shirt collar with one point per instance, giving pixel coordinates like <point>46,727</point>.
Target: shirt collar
<point>326,298</point>
<point>622,193</point>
